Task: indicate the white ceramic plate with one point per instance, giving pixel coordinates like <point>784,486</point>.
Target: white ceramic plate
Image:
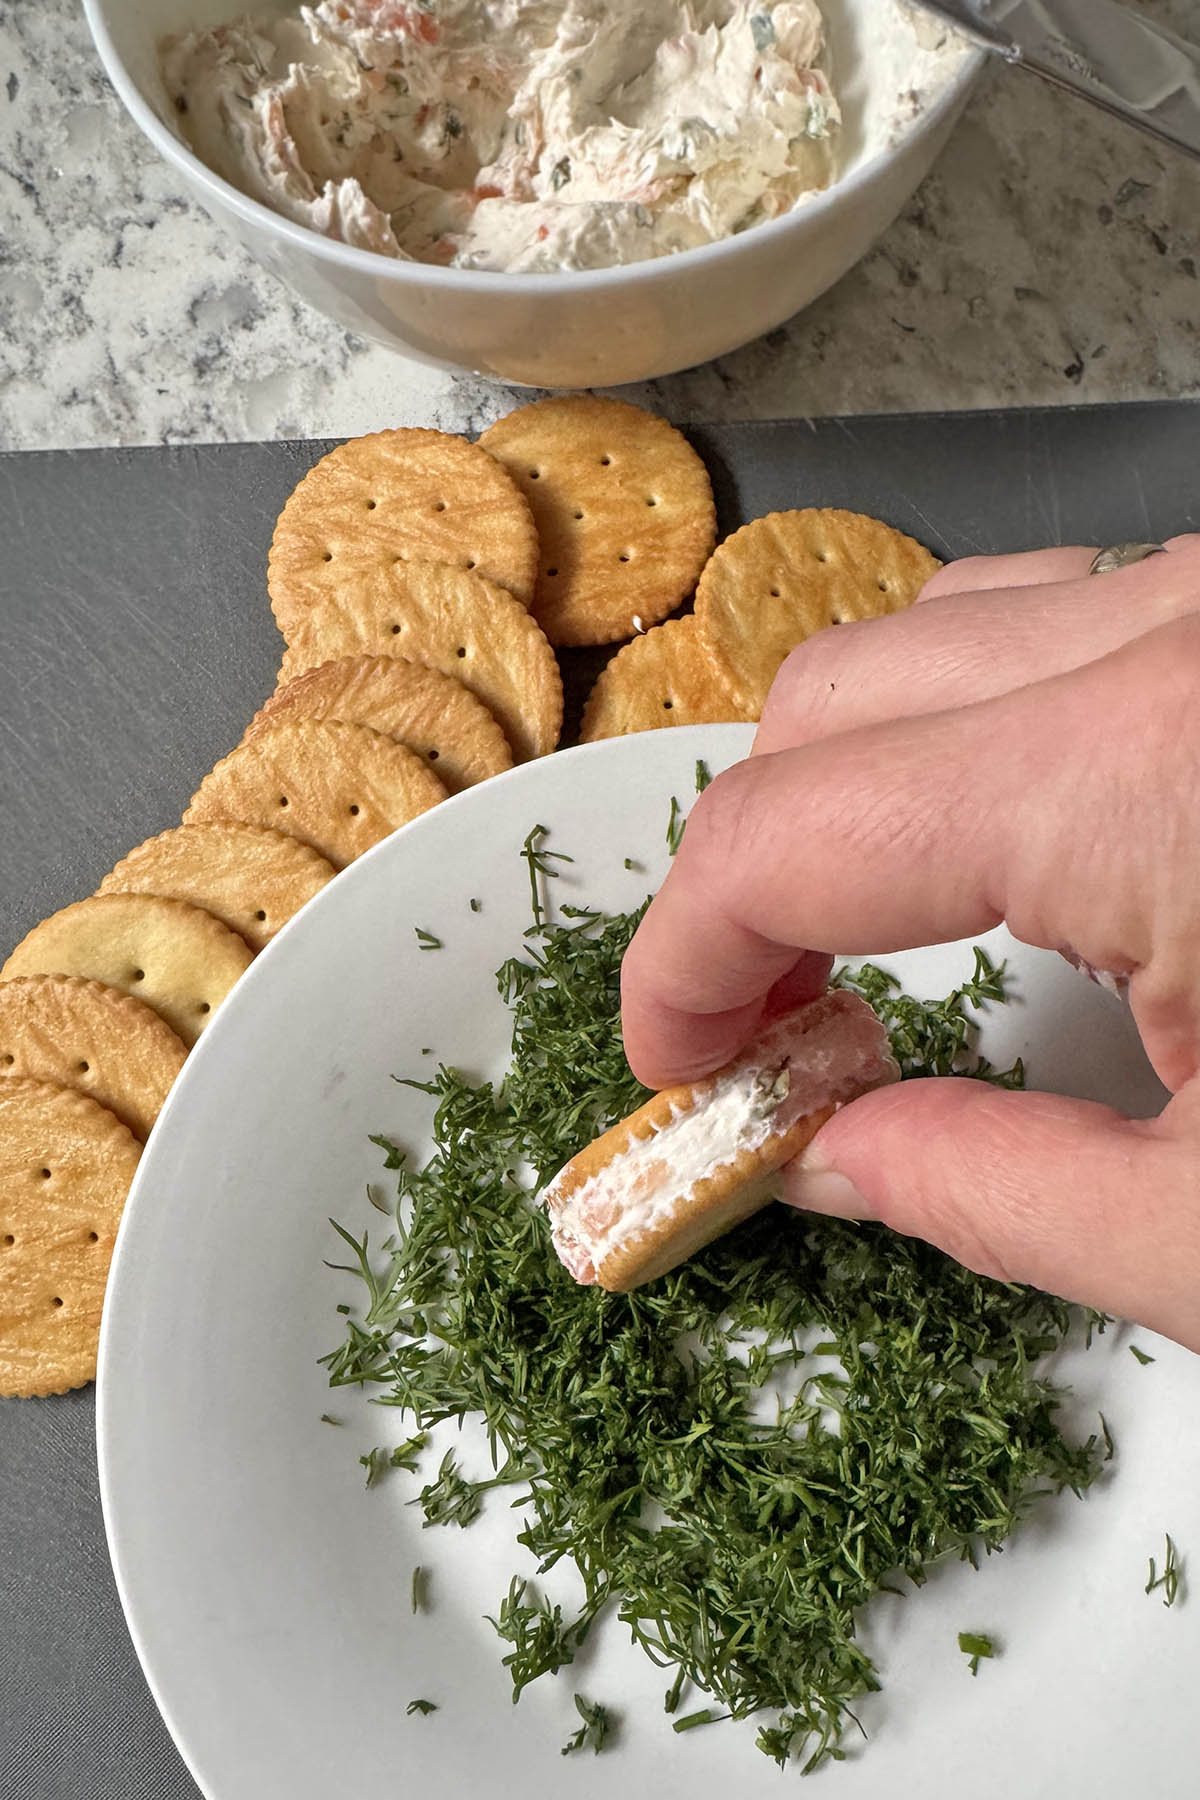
<point>268,1591</point>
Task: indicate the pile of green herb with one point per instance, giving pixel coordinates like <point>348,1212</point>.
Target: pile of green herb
<point>904,1420</point>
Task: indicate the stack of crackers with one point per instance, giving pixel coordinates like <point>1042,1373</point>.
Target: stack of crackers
<point>424,587</point>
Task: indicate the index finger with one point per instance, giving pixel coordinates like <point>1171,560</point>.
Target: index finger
<point>919,830</point>
<point>871,841</point>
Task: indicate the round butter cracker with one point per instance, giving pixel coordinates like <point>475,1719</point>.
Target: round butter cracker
<point>404,495</point>
<point>668,677</point>
<point>338,788</point>
<point>624,511</point>
<point>65,1168</point>
<point>175,957</point>
<point>431,713</point>
<point>83,1035</point>
<point>449,620</point>
<point>784,577</point>
<point>250,877</point>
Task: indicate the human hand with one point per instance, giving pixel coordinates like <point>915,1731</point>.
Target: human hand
<point>1023,745</point>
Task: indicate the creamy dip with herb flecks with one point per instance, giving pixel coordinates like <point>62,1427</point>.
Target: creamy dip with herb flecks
<point>515,134</point>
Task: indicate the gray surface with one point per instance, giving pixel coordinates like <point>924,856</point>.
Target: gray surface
<point>135,642</point>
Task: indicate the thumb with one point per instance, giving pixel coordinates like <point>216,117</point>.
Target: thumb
<point>1062,1194</point>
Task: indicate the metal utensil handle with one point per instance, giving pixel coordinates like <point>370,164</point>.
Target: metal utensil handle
<point>1118,59</point>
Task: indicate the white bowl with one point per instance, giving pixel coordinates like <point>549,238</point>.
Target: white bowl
<point>595,328</point>
<point>268,1594</point>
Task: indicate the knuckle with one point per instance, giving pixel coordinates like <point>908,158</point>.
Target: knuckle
<point>1157,681</point>
<point>717,823</point>
<point>732,835</point>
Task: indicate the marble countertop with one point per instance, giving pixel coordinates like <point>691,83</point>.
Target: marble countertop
<point>1053,257</point>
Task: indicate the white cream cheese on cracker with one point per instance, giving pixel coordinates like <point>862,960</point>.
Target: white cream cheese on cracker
<point>515,134</point>
<point>642,1186</point>
<point>820,1057</point>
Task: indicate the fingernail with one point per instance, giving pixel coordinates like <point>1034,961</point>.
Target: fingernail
<point>814,1187</point>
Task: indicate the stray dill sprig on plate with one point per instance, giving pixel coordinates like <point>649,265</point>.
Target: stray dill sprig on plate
<point>378,1462</point>
<point>728,1497</point>
<point>419,1589</point>
<point>540,862</point>
<point>1168,1581</point>
<point>976,1647</point>
<point>595,1730</point>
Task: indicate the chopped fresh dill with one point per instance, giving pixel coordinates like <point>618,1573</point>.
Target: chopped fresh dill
<point>539,862</point>
<point>727,1498</point>
<point>779,1741</point>
<point>328,1419</point>
<point>1168,1581</point>
<point>675,824</point>
<point>373,1195</point>
<point>934,1037</point>
<point>706,1716</point>
<point>452,1499</point>
<point>1097,1324</point>
<point>974,1645</point>
<point>541,1642</point>
<point>376,1463</point>
<point>419,1590</point>
<point>424,1707</point>
<point>379,1461</point>
<point>703,775</point>
<point>1142,1356</point>
<point>426,939</point>
<point>476,905</point>
<point>596,1727</point>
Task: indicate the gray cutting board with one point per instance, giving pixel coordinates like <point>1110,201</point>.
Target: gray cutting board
<point>135,643</point>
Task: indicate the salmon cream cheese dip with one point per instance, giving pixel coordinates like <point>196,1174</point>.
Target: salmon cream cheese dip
<point>515,134</point>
